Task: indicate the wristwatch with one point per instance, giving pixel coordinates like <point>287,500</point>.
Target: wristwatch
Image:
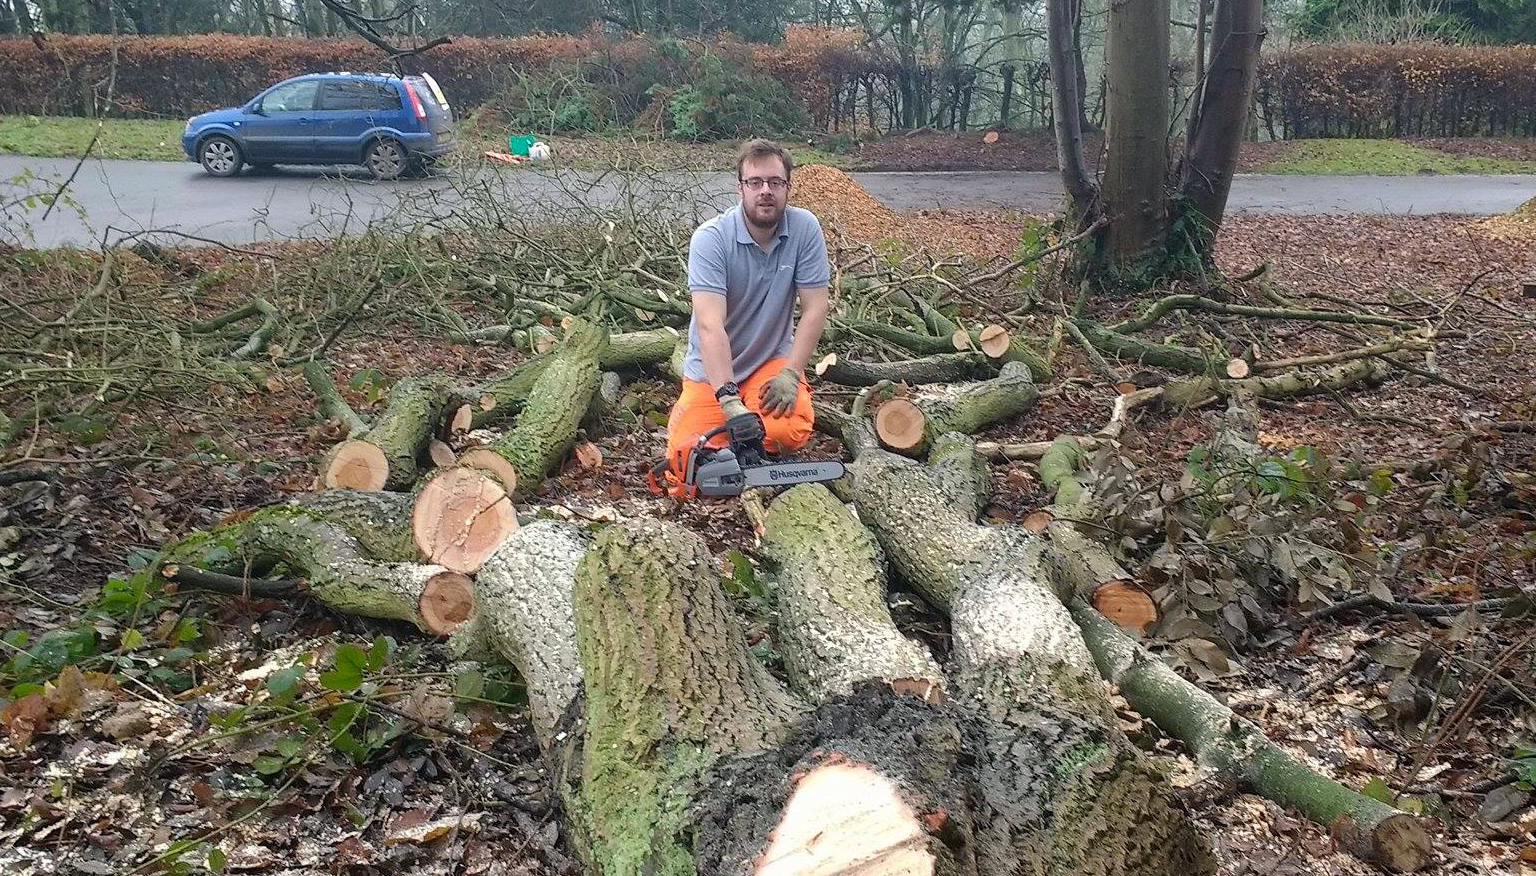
<point>728,388</point>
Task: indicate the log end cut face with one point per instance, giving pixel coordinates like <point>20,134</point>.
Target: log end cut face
<point>447,601</point>
<point>460,518</point>
<point>495,465</point>
<point>356,465</point>
<point>901,425</point>
<point>847,818</point>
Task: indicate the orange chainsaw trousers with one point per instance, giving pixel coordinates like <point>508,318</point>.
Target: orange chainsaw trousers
<point>697,412</point>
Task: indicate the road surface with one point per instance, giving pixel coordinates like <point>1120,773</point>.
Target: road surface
<point>116,198</point>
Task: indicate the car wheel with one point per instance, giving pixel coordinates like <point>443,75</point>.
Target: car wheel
<point>385,159</point>
<point>220,156</point>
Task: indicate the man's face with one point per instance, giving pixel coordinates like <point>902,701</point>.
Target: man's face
<point>764,188</point>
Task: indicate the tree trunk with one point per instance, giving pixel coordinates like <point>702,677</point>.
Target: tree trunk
<point>1023,671</point>
<point>1136,114</point>
<point>1067,105</point>
<point>524,616</point>
<point>1222,113</point>
<point>836,628</point>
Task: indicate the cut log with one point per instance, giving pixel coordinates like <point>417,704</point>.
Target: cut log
<point>461,421</point>
<point>1237,369</point>
<point>670,687</point>
<point>836,627</point>
<point>627,350</point>
<point>546,428</point>
<point>441,454</point>
<point>1025,675</point>
<point>960,339</point>
<point>966,408</point>
<point>1203,390</point>
<point>922,344</point>
<point>397,438</point>
<point>940,368</point>
<point>1129,607</point>
<point>1133,349</point>
<point>994,341</point>
<point>901,425</point>
<point>355,465</point>
<point>523,615</point>
<point>337,570</point>
<point>459,517</point>
<point>494,465</point>
<point>1239,751</point>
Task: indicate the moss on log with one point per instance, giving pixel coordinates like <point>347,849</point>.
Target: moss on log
<point>670,687</point>
<point>398,434</point>
<point>546,429</point>
<point>1241,752</point>
<point>836,627</point>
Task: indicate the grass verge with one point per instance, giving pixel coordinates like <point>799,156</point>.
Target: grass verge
<point>1383,158</point>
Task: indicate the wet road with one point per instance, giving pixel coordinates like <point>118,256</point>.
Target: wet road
<point>112,199</point>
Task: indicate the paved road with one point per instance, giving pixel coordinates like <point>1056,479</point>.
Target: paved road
<point>119,197</point>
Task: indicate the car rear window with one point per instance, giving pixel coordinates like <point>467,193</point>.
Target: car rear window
<point>355,95</point>
<point>428,96</point>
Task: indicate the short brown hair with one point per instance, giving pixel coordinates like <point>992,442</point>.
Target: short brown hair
<point>760,148</point>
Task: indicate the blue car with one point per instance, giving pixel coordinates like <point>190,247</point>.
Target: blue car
<point>388,124</point>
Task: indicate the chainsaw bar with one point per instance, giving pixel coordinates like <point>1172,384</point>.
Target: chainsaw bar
<point>789,473</point>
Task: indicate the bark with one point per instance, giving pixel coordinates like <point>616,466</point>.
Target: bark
<point>1136,112</point>
<point>830,583</point>
<point>1201,390</point>
<point>1216,135</point>
<point>523,615</point>
<point>1060,789</point>
<point>1067,103</point>
<point>670,688</point>
<point>381,522</point>
<point>968,408</point>
<point>398,435</point>
<point>1239,751</point>
<point>329,401</point>
<point>335,566</point>
<point>556,403</point>
<point>605,403</point>
<point>923,344</point>
<point>1134,349</point>
<point>938,368</point>
<point>258,339</point>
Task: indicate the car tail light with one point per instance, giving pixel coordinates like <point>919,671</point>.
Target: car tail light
<point>421,111</point>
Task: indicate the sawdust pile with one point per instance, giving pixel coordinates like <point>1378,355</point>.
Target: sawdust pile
<point>851,216</point>
<point>1517,226</point>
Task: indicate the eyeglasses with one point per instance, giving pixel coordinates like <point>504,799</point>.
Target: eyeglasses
<point>756,183</point>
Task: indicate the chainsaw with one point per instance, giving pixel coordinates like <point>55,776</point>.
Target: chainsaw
<point>743,463</point>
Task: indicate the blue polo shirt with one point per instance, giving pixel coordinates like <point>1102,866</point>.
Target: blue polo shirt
<point>760,288</point>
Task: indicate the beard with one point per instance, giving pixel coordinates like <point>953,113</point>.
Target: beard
<point>763,214</point>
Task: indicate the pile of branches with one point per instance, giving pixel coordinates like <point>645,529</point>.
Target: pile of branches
<point>671,747</point>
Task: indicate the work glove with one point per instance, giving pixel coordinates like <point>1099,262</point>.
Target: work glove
<point>733,406</point>
<point>780,394</point>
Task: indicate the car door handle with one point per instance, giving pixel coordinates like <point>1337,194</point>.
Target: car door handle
<point>305,121</point>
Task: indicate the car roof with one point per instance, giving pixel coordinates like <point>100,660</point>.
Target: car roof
<point>370,77</point>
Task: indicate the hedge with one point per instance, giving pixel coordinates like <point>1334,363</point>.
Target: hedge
<point>1428,90</point>
<point>1311,91</point>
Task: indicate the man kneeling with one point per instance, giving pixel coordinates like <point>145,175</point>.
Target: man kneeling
<point>746,269</point>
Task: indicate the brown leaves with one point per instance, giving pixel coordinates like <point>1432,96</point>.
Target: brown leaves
<point>25,718</point>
